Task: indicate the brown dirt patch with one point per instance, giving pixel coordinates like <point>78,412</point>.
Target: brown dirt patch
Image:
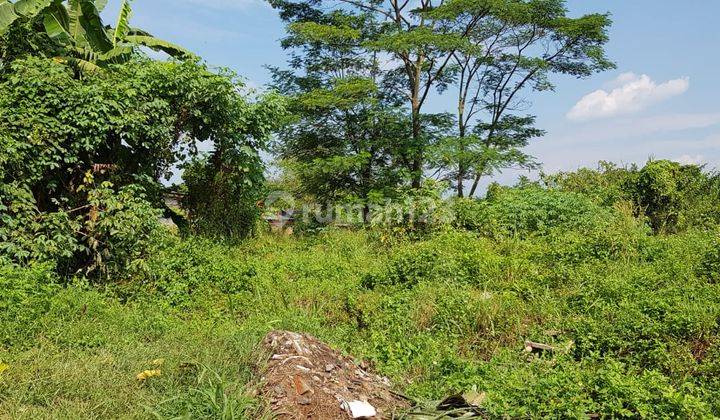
<point>304,378</point>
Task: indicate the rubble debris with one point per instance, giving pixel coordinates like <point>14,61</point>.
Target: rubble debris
<point>301,387</point>
<point>462,405</point>
<point>359,409</point>
<point>532,347</point>
<point>537,348</point>
<point>304,378</point>
<point>468,399</point>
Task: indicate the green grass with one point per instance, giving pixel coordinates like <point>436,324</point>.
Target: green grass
<point>438,315</point>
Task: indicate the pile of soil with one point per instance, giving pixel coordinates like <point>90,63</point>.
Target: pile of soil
<point>304,378</point>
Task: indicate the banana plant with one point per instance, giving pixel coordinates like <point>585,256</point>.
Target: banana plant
<point>10,12</point>
<point>77,26</point>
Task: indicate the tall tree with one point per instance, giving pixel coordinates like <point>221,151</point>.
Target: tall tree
<point>348,138</point>
<point>519,44</point>
<point>491,50</point>
<point>465,155</point>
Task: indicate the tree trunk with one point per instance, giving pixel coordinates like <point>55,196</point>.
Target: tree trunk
<point>482,166</point>
<point>475,184</point>
<point>461,165</point>
<point>417,160</point>
<point>366,183</point>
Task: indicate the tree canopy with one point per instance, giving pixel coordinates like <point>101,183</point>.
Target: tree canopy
<point>79,35</point>
<point>91,128</point>
<point>490,53</point>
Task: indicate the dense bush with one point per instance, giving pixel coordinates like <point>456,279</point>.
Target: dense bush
<point>673,197</point>
<point>411,212</point>
<point>606,185</point>
<point>677,197</point>
<point>617,235</point>
<point>26,295</point>
<point>179,273</point>
<point>110,240</point>
<point>658,193</point>
<point>27,234</point>
<point>224,203</point>
<point>635,329</point>
<point>137,121</point>
<point>710,265</point>
<point>127,126</point>
<point>121,231</point>
<point>451,256</point>
<point>531,211</point>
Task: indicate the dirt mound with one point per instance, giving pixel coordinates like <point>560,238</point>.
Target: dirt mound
<point>305,378</point>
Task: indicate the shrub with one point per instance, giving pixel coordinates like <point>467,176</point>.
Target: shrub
<point>469,213</point>
<point>710,264</point>
<point>606,185</point>
<point>130,125</point>
<point>111,239</point>
<point>121,231</point>
<point>412,212</point>
<point>446,257</point>
<point>658,193</point>
<point>617,235</point>
<point>26,295</point>
<point>27,234</point>
<point>531,211</point>
<point>673,197</point>
<point>180,272</point>
<point>222,203</point>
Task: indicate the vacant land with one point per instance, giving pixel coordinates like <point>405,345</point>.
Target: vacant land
<point>632,317</point>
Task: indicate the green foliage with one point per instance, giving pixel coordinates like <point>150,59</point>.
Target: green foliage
<point>635,329</point>
<point>223,203</point>
<point>364,141</point>
<point>674,197</point>
<point>710,266</point>
<point>450,257</point>
<point>316,32</point>
<point>80,37</point>
<point>223,188</point>
<point>469,213</point>
<point>110,241</point>
<point>487,150</point>
<point>408,212</point>
<point>534,211</point>
<point>26,296</point>
<point>121,231</point>
<point>677,197</point>
<point>27,234</point>
<point>188,269</point>
<point>606,185</point>
<point>128,127</point>
<point>618,236</point>
<point>658,193</point>
<point>140,120</point>
<point>633,320</point>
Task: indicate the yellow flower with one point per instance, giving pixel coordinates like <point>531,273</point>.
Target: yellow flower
<point>158,362</point>
<point>3,368</point>
<point>146,374</point>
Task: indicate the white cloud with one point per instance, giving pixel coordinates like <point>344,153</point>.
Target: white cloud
<point>690,160</point>
<point>709,144</point>
<point>630,93</point>
<point>600,132</point>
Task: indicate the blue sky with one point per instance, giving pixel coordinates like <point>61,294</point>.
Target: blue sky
<point>660,102</point>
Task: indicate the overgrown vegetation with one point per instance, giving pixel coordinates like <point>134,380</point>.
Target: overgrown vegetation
<point>105,311</point>
<point>632,315</point>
